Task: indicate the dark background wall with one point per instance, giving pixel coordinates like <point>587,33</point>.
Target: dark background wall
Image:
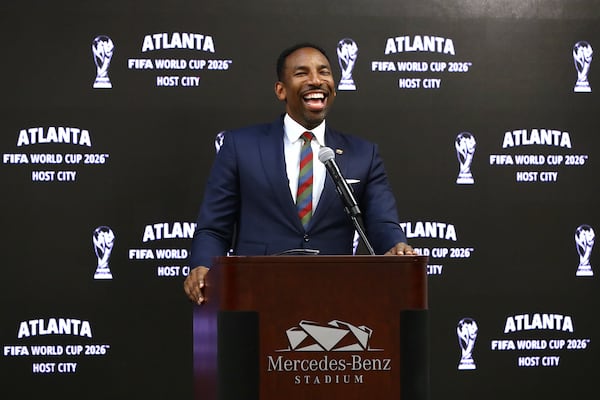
<point>503,252</point>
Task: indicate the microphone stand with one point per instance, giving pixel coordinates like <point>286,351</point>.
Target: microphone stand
<point>361,231</point>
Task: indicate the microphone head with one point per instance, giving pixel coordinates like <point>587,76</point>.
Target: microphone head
<point>326,154</point>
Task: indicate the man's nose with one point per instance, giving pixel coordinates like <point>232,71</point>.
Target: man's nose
<point>315,79</point>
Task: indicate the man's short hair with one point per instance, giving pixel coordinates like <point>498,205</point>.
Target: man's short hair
<point>285,53</point>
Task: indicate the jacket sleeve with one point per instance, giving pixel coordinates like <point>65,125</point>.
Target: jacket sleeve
<point>216,220</point>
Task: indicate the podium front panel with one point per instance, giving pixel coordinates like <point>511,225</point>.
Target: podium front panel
<point>328,326</point>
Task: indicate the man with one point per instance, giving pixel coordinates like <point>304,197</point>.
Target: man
<point>252,187</point>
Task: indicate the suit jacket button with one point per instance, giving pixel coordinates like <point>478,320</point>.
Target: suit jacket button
<point>306,238</point>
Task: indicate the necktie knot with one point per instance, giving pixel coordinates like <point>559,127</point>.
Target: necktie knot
<point>307,137</point>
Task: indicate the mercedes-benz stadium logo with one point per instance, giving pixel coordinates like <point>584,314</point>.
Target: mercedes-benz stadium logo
<point>335,336</point>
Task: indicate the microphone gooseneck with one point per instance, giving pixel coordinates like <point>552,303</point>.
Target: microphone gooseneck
<point>327,157</point>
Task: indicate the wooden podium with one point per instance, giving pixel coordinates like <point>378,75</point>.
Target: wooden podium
<point>313,327</point>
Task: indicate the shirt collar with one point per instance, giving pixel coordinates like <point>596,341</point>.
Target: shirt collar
<point>294,130</point>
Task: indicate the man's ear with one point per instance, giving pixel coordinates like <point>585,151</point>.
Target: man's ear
<point>280,91</point>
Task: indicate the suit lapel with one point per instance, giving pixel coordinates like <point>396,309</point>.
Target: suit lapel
<point>273,164</point>
<point>330,197</point>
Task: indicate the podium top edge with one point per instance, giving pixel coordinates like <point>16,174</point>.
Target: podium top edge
<point>322,259</point>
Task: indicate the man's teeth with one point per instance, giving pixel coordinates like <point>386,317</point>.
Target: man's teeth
<point>314,96</point>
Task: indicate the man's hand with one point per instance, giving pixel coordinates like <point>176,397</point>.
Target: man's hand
<point>194,285</point>
<point>401,249</point>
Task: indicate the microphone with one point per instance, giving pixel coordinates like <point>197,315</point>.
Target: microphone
<point>327,157</point>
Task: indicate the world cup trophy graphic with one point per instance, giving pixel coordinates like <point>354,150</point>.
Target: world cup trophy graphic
<point>582,55</point>
<point>219,141</point>
<point>347,52</point>
<point>465,149</point>
<point>102,49</point>
<point>104,240</point>
<point>467,334</point>
<point>584,240</point>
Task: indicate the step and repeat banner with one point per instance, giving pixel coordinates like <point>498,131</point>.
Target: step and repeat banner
<point>487,120</point>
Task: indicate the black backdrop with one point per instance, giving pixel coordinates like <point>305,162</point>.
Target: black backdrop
<point>511,253</point>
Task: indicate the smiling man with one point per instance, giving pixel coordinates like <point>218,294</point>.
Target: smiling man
<point>267,194</point>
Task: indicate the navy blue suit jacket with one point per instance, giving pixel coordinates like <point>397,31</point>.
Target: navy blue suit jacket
<point>248,188</point>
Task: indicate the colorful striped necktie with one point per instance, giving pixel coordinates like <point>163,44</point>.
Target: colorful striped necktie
<point>305,180</point>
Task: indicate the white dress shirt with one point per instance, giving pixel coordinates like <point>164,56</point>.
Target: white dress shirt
<point>292,143</point>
